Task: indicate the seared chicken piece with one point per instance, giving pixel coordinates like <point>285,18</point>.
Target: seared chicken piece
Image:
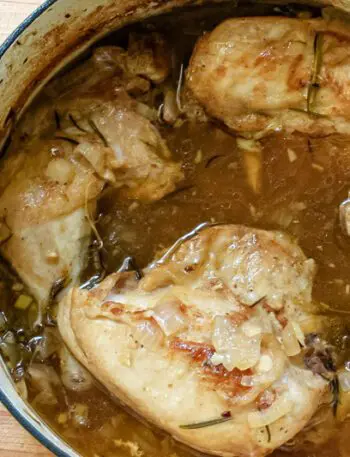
<point>260,74</point>
<point>50,183</point>
<point>148,56</point>
<point>122,145</point>
<point>146,59</point>
<point>209,344</point>
<point>44,229</point>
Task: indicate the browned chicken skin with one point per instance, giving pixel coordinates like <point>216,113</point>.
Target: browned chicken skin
<point>213,332</point>
<point>261,74</point>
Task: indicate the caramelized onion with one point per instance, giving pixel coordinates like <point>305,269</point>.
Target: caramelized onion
<point>60,170</point>
<point>44,380</point>
<point>290,340</point>
<point>234,349</point>
<point>278,409</point>
<point>148,334</point>
<point>169,316</point>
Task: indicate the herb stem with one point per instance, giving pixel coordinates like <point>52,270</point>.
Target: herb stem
<point>208,423</point>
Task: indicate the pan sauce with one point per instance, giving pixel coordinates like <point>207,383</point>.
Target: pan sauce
<point>304,180</point>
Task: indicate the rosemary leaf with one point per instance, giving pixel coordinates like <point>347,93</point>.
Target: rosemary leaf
<point>75,123</point>
<point>314,83</point>
<point>57,120</point>
<point>66,138</point>
<point>98,133</point>
<point>209,423</point>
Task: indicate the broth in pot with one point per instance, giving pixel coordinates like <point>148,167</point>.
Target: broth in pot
<point>175,239</point>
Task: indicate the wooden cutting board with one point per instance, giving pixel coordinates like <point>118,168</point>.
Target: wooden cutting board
<point>14,440</point>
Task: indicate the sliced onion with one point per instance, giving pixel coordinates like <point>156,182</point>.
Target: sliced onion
<point>60,170</point>
<point>266,378</point>
<point>298,333</point>
<point>290,341</point>
<point>148,334</point>
<point>171,110</point>
<point>252,158</point>
<point>44,379</point>
<point>278,409</point>
<point>46,398</point>
<point>234,349</point>
<point>264,320</point>
<point>73,375</point>
<point>169,316</point>
<point>251,327</point>
<point>265,364</point>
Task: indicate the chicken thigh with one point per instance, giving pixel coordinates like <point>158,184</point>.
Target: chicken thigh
<point>209,345</point>
<point>260,74</point>
<point>89,132</point>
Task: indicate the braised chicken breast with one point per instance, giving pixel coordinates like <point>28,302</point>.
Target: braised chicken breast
<point>77,143</point>
<point>209,345</point>
<point>262,74</point>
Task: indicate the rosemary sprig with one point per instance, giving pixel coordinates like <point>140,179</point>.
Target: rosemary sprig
<point>57,120</point>
<point>204,424</point>
<point>212,159</point>
<point>178,191</point>
<point>66,138</point>
<point>314,83</point>
<point>98,132</point>
<point>75,123</point>
<point>268,431</point>
<point>335,390</point>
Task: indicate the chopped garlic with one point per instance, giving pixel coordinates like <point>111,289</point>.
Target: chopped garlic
<point>60,170</point>
<point>199,157</point>
<point>130,446</point>
<point>62,418</point>
<point>291,155</point>
<point>278,409</point>
<point>23,302</point>
<point>17,287</point>
<point>317,167</point>
<point>251,329</point>
<point>265,364</point>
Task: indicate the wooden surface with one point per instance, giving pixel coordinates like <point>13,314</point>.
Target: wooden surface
<point>14,440</point>
<point>13,12</point>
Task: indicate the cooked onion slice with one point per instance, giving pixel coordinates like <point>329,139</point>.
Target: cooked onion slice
<point>290,340</point>
<point>169,315</point>
<point>60,170</point>
<point>278,409</point>
<point>148,334</point>
<point>234,349</point>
